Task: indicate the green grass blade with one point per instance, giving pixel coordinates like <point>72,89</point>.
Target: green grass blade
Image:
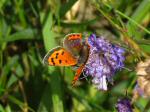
<point>22,35</point>
<point>19,103</point>
<point>66,7</point>
<point>138,16</point>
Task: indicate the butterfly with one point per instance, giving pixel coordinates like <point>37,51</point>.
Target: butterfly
<point>74,53</point>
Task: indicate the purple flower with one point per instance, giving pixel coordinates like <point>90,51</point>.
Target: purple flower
<point>123,105</point>
<point>104,60</point>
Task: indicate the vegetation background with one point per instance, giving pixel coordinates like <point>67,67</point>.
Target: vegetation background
<point>29,28</point>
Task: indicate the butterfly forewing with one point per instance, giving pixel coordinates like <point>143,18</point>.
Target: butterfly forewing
<point>59,57</point>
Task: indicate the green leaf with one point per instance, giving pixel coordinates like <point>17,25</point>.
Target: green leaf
<point>1,108</point>
<point>6,69</point>
<point>2,3</point>
<point>8,109</point>
<point>18,102</point>
<point>19,73</point>
<point>142,10</point>
<point>21,35</point>
<point>46,100</point>
<point>146,48</point>
<point>66,7</point>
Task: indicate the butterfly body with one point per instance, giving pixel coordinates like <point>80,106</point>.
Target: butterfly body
<point>75,52</point>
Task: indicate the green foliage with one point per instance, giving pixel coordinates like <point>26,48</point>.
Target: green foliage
<point>29,29</point>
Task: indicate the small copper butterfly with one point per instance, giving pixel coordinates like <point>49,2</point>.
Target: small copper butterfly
<point>75,52</point>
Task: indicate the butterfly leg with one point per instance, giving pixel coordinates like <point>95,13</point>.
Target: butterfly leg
<point>84,77</point>
<point>77,75</point>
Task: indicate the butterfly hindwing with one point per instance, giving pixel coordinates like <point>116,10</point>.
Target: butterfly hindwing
<point>73,43</point>
<point>59,57</point>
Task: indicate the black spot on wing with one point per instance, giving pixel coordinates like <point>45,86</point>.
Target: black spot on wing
<point>52,60</point>
<point>53,63</point>
<point>56,55</point>
<point>62,53</point>
<point>60,61</point>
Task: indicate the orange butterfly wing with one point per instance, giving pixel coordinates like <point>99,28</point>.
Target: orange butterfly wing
<point>59,57</point>
<point>74,36</point>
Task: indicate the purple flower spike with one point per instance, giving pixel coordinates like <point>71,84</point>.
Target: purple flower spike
<point>104,60</point>
<point>123,105</point>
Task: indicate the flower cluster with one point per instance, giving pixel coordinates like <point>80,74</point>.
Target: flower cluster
<point>104,60</point>
<point>124,105</point>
